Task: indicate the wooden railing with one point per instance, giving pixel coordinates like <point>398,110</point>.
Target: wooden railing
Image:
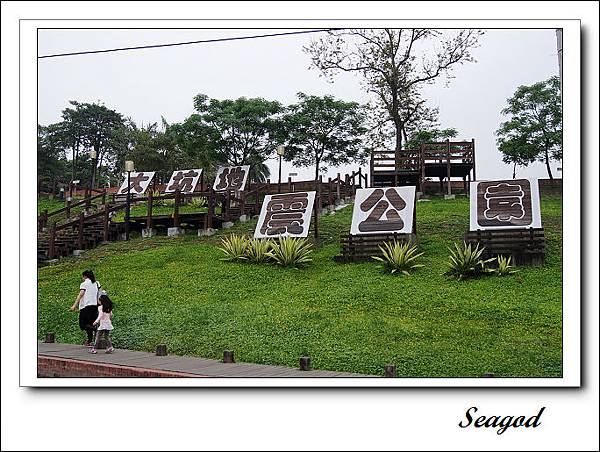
<point>87,202</point>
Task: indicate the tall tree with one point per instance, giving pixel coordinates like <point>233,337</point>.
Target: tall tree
<point>394,64</point>
<point>243,130</point>
<point>322,130</point>
<point>534,128</point>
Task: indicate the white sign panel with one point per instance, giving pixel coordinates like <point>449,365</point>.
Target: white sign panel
<point>286,214</point>
<point>505,204</point>
<point>231,178</point>
<point>139,182</point>
<point>383,210</point>
<point>183,180</point>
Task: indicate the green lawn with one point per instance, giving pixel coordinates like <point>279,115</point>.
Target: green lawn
<point>346,317</point>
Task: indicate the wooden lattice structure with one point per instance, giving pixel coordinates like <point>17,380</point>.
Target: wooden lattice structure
<point>359,248</point>
<point>443,160</point>
<point>527,246</point>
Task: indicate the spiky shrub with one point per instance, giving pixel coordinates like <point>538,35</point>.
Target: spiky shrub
<point>199,202</point>
<point>505,266</point>
<point>258,250</point>
<point>466,262</point>
<point>398,257</point>
<point>234,247</point>
<point>291,251</point>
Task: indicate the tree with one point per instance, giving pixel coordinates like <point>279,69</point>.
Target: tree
<point>242,131</point>
<point>323,130</point>
<point>428,136</point>
<point>534,128</point>
<point>51,161</point>
<point>387,61</point>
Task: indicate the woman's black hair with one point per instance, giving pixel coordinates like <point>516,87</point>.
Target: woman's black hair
<point>90,275</point>
<point>107,304</point>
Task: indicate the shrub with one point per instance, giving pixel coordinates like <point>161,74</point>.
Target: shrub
<point>465,262</point>
<point>234,247</point>
<point>257,250</point>
<point>398,257</point>
<point>505,266</point>
<point>199,202</point>
<point>291,252</point>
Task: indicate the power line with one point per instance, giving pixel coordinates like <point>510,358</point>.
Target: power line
<point>238,38</point>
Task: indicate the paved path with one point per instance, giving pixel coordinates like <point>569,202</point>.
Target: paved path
<point>186,364</point>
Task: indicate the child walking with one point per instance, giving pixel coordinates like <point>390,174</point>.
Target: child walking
<point>104,323</point>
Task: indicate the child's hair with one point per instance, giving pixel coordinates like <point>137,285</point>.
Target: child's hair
<point>107,304</point>
<point>90,275</point>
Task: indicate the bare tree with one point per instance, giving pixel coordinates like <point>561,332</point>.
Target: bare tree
<point>394,64</point>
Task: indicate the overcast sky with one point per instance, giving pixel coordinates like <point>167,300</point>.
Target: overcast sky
<point>148,84</point>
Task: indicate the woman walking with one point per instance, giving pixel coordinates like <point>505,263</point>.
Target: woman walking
<point>87,300</point>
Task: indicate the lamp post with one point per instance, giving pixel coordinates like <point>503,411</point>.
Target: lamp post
<point>129,169</point>
<point>280,153</point>
<point>93,155</point>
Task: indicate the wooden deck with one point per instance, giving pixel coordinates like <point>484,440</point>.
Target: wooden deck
<point>184,365</point>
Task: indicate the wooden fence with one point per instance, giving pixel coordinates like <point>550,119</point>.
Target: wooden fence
<point>527,246</point>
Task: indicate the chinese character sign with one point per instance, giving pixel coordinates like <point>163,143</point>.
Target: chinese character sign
<point>139,183</point>
<point>287,214</point>
<point>231,178</point>
<point>183,180</point>
<point>505,204</point>
<point>383,210</point>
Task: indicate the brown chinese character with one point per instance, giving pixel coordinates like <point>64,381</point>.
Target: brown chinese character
<point>231,178</point>
<point>135,183</point>
<point>284,213</point>
<point>504,203</point>
<point>183,181</point>
<point>389,207</point>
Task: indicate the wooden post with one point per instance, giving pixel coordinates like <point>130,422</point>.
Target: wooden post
<point>149,211</point>
<point>360,177</point>
<point>242,203</point>
<point>50,336</point>
<point>51,241</point>
<point>202,181</point>
<point>372,167</point>
<point>211,208</point>
<point>106,223</point>
<point>69,209</point>
<point>422,168</point>
<point>449,187</point>
<point>228,357</point>
<point>329,191</point>
<point>176,209</point>
<point>80,231</point>
<point>390,371</point>
<point>473,154</point>
<point>104,198</point>
<point>339,180</point>
<point>346,185</point>
<point>44,219</point>
<point>257,202</point>
<point>289,184</point>
<point>161,350</point>
<point>88,201</point>
<point>305,363</point>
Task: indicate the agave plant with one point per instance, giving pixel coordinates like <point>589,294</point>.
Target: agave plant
<point>291,252</point>
<point>398,257</point>
<point>257,250</point>
<point>234,247</point>
<point>466,262</point>
<point>505,266</point>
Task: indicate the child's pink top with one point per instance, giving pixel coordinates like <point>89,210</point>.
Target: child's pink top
<point>104,319</point>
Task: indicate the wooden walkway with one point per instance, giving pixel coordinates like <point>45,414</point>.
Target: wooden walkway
<point>183,364</point>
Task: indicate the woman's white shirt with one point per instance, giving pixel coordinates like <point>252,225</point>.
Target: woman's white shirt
<point>90,297</point>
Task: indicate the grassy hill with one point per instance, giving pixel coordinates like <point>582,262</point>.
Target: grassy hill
<point>346,317</point>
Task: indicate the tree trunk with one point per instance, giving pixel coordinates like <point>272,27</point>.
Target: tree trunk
<point>515,170</point>
<point>547,158</point>
<point>317,169</point>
